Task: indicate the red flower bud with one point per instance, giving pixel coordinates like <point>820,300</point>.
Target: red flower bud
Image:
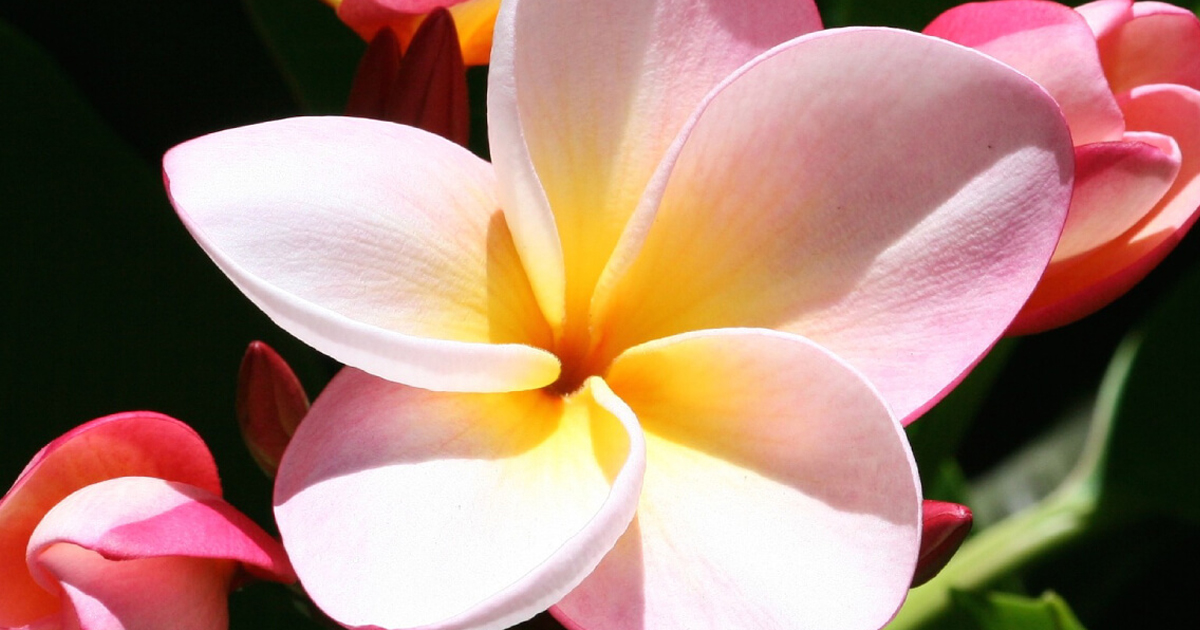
<point>944,527</point>
<point>270,405</point>
<point>425,88</point>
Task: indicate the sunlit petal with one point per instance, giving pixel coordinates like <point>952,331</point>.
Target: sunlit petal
<point>1116,184</point>
<point>1103,16</point>
<point>1160,44</point>
<point>892,196</point>
<point>1084,283</point>
<point>576,137</point>
<point>779,492</point>
<point>380,245</point>
<point>403,507</point>
<point>129,518</point>
<point>1049,43</point>
<point>164,592</point>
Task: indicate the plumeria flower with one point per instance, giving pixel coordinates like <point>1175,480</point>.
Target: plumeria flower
<point>1127,76</point>
<point>649,366</point>
<point>474,20</point>
<point>119,524</point>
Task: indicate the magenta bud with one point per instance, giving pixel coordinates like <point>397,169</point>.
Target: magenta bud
<point>425,87</point>
<point>430,92</point>
<point>270,405</point>
<point>944,527</point>
<point>375,77</point>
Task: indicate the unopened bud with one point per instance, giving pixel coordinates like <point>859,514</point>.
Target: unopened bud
<point>270,405</point>
<point>944,527</point>
<point>426,87</point>
<point>375,77</point>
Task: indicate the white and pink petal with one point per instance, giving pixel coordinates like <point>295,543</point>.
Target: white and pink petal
<point>378,244</point>
<point>405,508</point>
<point>1049,43</point>
<point>131,443</point>
<point>779,492</point>
<point>576,137</point>
<point>892,196</point>
<point>141,552</point>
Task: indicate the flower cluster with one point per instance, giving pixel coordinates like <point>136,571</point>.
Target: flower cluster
<point>1127,76</point>
<point>650,366</point>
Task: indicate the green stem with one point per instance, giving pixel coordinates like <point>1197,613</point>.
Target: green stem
<point>1000,550</point>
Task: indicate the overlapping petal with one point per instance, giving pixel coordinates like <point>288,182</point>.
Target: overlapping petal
<point>779,492</point>
<point>1104,16</point>
<point>575,137</point>
<point>407,508</point>
<point>135,443</point>
<point>1116,185</point>
<point>1079,285</point>
<point>380,245</point>
<point>1049,43</point>
<point>891,196</point>
<point>1158,43</point>
<point>142,552</point>
<point>1121,180</point>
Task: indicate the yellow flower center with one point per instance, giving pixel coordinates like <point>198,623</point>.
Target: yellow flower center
<point>579,358</point>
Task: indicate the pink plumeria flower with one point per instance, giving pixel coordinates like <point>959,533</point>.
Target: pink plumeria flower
<point>474,20</point>
<point>120,524</point>
<point>648,366</point>
<point>1127,76</point>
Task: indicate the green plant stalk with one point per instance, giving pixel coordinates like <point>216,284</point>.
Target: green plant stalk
<point>1004,548</point>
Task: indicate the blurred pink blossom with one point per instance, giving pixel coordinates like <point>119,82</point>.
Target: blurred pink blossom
<point>120,524</point>
<point>1127,76</point>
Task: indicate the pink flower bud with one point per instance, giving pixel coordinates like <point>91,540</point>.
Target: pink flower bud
<point>270,404</point>
<point>944,526</point>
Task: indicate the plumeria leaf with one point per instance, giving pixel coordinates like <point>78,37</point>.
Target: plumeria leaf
<point>1145,434</point>
<point>1005,611</point>
<point>316,53</point>
<point>1031,473</point>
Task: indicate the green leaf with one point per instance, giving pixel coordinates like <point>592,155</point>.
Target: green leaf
<point>1031,473</point>
<point>1006,611</point>
<point>314,50</point>
<point>1143,451</point>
